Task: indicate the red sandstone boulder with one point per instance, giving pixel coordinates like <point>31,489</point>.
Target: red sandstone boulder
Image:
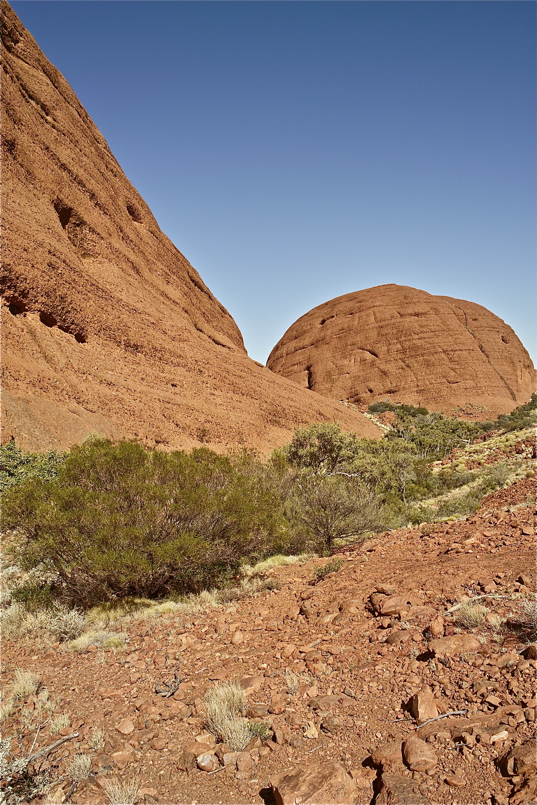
<point>404,345</point>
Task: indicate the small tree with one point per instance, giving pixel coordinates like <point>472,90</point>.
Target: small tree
<point>335,507</point>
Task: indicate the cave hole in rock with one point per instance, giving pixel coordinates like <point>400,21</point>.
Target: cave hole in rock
<point>64,212</point>
<point>47,319</point>
<point>16,308</point>
<point>80,338</point>
<point>505,339</point>
<point>134,213</point>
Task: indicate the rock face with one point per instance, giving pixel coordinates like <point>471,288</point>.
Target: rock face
<point>403,345</point>
<point>106,327</point>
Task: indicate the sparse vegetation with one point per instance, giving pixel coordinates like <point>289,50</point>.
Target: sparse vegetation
<point>225,705</point>
<point>470,616</point>
<point>79,768</point>
<point>25,684</point>
<point>121,792</point>
<point>332,566</point>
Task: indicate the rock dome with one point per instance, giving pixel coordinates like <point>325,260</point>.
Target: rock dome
<point>404,345</point>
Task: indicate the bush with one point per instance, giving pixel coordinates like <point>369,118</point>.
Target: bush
<point>333,508</point>
<point>16,467</point>
<point>525,416</point>
<point>120,520</point>
<point>319,573</point>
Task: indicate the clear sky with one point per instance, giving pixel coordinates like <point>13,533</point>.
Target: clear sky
<point>297,151</point>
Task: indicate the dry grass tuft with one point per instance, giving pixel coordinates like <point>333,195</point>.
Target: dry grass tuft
<point>225,704</point>
<point>25,684</point>
<point>470,615</point>
<point>96,739</point>
<point>121,792</point>
<point>99,638</point>
<point>79,768</point>
<point>59,723</point>
<point>292,682</point>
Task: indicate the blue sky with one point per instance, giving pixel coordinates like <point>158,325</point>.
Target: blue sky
<point>297,151</point>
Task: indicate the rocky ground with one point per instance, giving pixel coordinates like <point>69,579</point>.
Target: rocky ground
<point>343,669</point>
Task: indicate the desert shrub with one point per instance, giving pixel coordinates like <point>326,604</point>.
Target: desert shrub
<point>79,768</point>
<point>320,448</point>
<point>334,507</point>
<point>17,466</point>
<point>120,520</point>
<point>332,566</point>
<point>433,435</point>
<point>525,416</point>
<point>121,791</point>
<point>25,684</point>
<point>410,410</point>
<point>461,505</point>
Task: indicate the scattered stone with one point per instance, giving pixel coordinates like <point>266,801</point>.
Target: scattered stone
<point>316,784</point>
<point>386,589</point>
<point>251,684</point>
<point>422,705</point>
<point>393,605</point>
<point>520,759</point>
<point>208,762</point>
<point>398,790</point>
<point>125,727</point>
<point>418,755</point>
<point>311,731</point>
<point>332,724</point>
<point>245,762</point>
<point>230,759</point>
<point>399,636</point>
<point>455,780</point>
<point>436,627</point>
<point>122,758</point>
<point>454,644</point>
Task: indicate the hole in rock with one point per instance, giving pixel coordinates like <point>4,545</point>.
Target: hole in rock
<point>64,212</point>
<point>47,319</point>
<point>134,213</point>
<point>16,308</point>
<point>80,337</point>
<point>505,339</point>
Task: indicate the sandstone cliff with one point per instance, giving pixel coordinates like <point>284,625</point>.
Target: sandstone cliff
<point>400,344</point>
<point>106,327</point>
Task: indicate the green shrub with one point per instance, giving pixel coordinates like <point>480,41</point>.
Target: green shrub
<point>525,416</point>
<point>333,566</point>
<point>16,466</point>
<point>120,520</point>
<point>334,507</point>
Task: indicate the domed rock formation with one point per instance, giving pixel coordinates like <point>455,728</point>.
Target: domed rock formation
<point>106,327</point>
<point>403,345</point>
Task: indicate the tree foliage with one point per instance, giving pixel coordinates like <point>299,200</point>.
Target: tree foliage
<point>121,520</point>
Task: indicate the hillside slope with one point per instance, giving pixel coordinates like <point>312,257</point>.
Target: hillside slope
<point>106,326</point>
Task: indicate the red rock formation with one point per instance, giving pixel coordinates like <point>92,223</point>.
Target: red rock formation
<point>106,327</point>
<point>400,344</point>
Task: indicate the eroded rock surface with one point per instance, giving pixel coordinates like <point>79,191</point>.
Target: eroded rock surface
<point>404,345</point>
<point>106,326</point>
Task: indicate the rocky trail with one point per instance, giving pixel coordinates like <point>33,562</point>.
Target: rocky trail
<point>343,670</point>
